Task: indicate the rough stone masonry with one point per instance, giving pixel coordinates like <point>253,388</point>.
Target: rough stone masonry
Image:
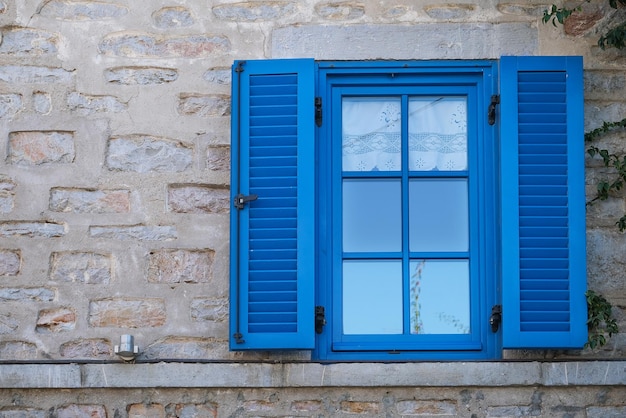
<point>114,185</point>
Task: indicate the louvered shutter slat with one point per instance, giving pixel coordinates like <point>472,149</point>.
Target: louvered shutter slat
<point>543,251</point>
<point>272,264</point>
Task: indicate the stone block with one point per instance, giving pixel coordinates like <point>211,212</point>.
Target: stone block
<point>81,10</point>
<point>306,406</point>
<point>42,102</point>
<point>23,412</point>
<point>27,294</point>
<point>18,350</point>
<point>259,405</point>
<point>81,411</point>
<point>142,154</point>
<point>77,200</point>
<point>134,45</point>
<point>142,410</point>
<point>95,348</point>
<point>218,157</point>
<point>32,229</point>
<point>427,407</point>
<point>10,105</point>
<point>10,262</point>
<point>28,42</point>
<point>605,261</point>
<point>143,76</point>
<point>360,407</point>
<point>209,309</point>
<point>254,11</point>
<point>180,266</point>
<point>18,74</point>
<point>198,198</point>
<point>453,12</point>
<point>188,410</point>
<point>604,85</point>
<point>134,232</point>
<point>606,412</point>
<point>55,320</point>
<point>80,267</point>
<point>214,105</point>
<point>172,17</point>
<point>519,9</point>
<point>509,411</point>
<point>340,10</point>
<point>127,312</point>
<point>8,324</point>
<point>219,75</point>
<point>185,347</point>
<point>582,21</point>
<point>41,147</point>
<point>7,194</point>
<point>88,105</point>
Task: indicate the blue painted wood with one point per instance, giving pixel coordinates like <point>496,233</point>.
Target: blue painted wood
<point>272,246</point>
<point>542,203</point>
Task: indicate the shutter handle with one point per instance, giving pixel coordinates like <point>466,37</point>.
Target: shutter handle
<point>241,200</point>
<point>496,318</point>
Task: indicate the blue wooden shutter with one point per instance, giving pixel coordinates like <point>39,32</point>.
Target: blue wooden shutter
<point>543,203</point>
<point>272,236</point>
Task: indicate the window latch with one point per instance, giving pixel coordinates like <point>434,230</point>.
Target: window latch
<point>318,111</point>
<point>496,318</point>
<point>491,112</point>
<point>240,200</point>
<point>320,319</point>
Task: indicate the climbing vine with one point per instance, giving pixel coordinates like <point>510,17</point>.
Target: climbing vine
<point>615,36</point>
<point>600,320</point>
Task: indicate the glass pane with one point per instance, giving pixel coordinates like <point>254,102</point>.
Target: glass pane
<point>371,130</point>
<point>437,133</point>
<point>440,299</point>
<point>438,215</point>
<point>372,297</point>
<point>372,218</point>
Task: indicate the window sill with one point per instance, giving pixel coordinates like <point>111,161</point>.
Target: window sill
<point>281,375</point>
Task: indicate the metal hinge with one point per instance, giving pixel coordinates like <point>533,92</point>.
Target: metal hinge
<point>491,112</point>
<point>320,319</point>
<point>496,318</point>
<point>240,200</point>
<point>318,111</point>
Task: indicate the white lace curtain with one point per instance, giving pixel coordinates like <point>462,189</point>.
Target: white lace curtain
<point>371,137</point>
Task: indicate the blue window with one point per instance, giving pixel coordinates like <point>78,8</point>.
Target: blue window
<point>407,210</point>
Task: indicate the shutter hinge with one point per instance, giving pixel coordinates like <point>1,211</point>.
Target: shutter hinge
<point>320,319</point>
<point>240,200</point>
<point>239,68</point>
<point>318,111</point>
<point>496,318</point>
<point>491,112</point>
<point>238,336</point>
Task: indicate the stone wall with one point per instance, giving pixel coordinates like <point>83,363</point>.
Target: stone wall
<point>114,176</point>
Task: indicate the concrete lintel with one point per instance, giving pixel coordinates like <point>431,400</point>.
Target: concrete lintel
<point>419,41</point>
<point>263,375</point>
<point>14,376</point>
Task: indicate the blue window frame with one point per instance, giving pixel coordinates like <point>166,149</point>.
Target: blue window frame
<point>317,234</point>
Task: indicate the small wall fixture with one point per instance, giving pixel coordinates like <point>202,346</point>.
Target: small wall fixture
<point>127,349</point>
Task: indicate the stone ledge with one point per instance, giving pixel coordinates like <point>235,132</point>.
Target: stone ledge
<point>264,375</point>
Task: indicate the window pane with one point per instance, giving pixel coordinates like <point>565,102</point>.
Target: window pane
<point>437,133</point>
<point>440,300</point>
<point>372,219</point>
<point>438,215</point>
<point>372,297</point>
<point>371,128</point>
